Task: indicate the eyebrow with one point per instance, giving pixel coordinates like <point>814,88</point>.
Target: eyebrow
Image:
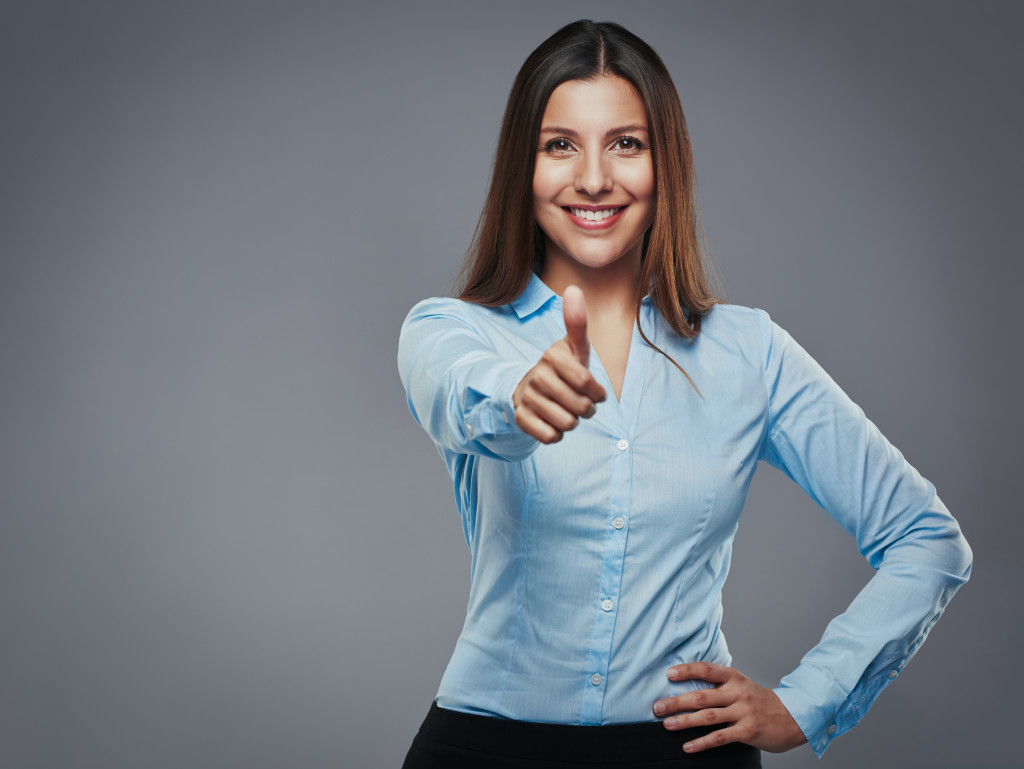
<point>611,132</point>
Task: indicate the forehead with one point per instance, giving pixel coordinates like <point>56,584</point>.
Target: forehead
<point>599,103</point>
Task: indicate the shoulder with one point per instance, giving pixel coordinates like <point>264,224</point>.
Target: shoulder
<point>734,315</point>
<point>748,329</point>
<point>456,319</point>
<point>437,305</point>
<point>447,307</point>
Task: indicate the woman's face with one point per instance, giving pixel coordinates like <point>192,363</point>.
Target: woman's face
<point>593,183</point>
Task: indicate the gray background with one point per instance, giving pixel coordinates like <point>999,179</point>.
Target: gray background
<point>223,540</point>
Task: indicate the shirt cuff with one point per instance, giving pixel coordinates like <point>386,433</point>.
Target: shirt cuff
<point>492,423</point>
<point>818,720</point>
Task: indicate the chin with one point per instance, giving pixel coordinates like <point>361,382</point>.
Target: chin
<point>600,258</point>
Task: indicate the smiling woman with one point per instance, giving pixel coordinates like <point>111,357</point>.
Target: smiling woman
<point>601,527</point>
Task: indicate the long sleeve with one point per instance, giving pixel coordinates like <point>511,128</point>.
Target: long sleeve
<point>458,386</point>
<point>823,441</point>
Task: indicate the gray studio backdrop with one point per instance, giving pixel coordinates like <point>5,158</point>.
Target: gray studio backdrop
<point>223,540</point>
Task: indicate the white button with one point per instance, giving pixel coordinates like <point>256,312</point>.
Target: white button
<point>832,729</point>
<point>596,679</point>
<point>618,523</point>
<point>893,673</point>
<point>623,444</point>
<point>606,604</point>
<point>505,417</point>
<point>469,429</point>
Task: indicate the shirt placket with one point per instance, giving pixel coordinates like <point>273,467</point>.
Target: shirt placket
<point>606,600</point>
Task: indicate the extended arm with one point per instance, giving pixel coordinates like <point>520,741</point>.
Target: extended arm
<point>458,388</point>
<point>471,399</point>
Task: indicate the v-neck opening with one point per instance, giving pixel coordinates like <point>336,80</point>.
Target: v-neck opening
<point>625,370</point>
<point>627,403</point>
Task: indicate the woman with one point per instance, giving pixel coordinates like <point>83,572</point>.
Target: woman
<point>601,414</point>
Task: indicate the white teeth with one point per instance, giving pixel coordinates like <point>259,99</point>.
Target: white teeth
<point>595,216</point>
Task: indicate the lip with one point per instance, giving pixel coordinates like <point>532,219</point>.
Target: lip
<point>587,224</point>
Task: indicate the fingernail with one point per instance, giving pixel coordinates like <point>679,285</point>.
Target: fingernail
<point>659,708</point>
<point>688,746</point>
<point>673,673</point>
<point>670,722</point>
<point>590,412</point>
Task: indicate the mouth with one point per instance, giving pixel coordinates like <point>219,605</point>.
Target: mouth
<point>592,214</point>
<point>594,217</point>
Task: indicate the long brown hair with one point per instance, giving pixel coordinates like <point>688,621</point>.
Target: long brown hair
<point>508,245</point>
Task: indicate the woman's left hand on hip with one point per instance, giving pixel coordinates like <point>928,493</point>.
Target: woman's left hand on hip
<point>755,715</point>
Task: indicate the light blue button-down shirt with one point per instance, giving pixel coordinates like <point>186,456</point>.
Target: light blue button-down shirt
<point>598,561</point>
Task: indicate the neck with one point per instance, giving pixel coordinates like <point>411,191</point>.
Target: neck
<point>608,290</point>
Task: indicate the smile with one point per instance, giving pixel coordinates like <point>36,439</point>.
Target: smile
<point>593,216</point>
<point>591,219</point>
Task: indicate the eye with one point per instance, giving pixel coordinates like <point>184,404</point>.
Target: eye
<point>629,144</point>
<point>558,146</point>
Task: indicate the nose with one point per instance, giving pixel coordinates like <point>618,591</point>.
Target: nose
<point>593,175</point>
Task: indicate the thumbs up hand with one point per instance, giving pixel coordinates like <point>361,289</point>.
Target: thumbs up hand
<point>560,389</point>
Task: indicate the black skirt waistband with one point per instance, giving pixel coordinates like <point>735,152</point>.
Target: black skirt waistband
<point>614,743</point>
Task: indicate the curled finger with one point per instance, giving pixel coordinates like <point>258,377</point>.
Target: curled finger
<point>536,427</point>
<point>559,391</point>
<point>549,411</point>
<point>693,701</point>
<point>715,739</point>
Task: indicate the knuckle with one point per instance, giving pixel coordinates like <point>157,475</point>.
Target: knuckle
<point>579,377</point>
<point>710,716</point>
<point>547,376</point>
<point>583,406</point>
<point>706,670</point>
<point>554,436</point>
<point>701,698</point>
<point>718,737</point>
<point>537,385</point>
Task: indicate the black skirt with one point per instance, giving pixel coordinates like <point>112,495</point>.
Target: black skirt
<point>452,740</point>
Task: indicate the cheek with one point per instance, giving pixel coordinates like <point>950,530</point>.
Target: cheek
<point>538,195</point>
<point>546,183</point>
<point>640,182</point>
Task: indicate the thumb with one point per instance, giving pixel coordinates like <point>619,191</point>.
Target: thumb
<point>574,311</point>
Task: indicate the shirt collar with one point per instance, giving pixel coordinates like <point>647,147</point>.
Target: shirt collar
<point>534,296</point>
<point>537,293</point>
